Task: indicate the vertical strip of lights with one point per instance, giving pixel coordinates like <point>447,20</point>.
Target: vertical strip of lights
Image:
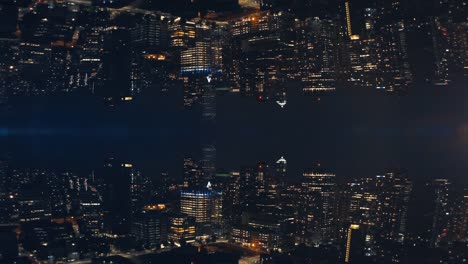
<point>348,19</point>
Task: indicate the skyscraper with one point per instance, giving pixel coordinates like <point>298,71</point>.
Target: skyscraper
<point>203,204</point>
<point>441,212</point>
<point>354,244</point>
<point>113,80</point>
<point>380,205</point>
<point>181,228</point>
<point>316,54</point>
<point>320,186</point>
<point>151,226</point>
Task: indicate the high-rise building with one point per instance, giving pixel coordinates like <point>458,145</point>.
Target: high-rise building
<point>150,62</point>
<point>9,47</point>
<point>113,79</point>
<point>124,191</point>
<point>316,54</point>
<point>197,64</point>
<point>150,226</point>
<point>462,230</point>
<point>9,77</point>
<point>203,204</point>
<point>441,212</point>
<point>34,66</point>
<point>33,204</point>
<point>89,62</point>
<point>349,27</point>
<point>9,241</point>
<point>150,34</point>
<point>266,55</point>
<point>8,18</point>
<point>258,233</point>
<point>193,175</point>
<point>450,49</point>
<point>209,162</point>
<point>394,64</point>
<point>319,187</point>
<point>354,247</point>
<point>380,205</point>
<point>182,228</point>
<point>90,213</point>
<point>382,62</point>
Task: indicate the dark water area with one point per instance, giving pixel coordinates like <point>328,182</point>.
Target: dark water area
<point>354,133</point>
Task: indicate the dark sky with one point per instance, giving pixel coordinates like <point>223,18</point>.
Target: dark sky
<point>353,133</point>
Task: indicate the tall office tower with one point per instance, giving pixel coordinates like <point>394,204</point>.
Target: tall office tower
<point>34,66</point>
<point>114,183</point>
<point>191,42</point>
<point>363,62</point>
<point>380,204</point>
<point>151,226</point>
<point>7,197</point>
<point>8,18</point>
<point>342,207</point>
<point>221,61</point>
<point>47,24</point>
<point>181,33</point>
<point>208,99</point>
<point>150,34</point>
<point>208,162</point>
<point>393,206</point>
<point>89,62</point>
<point>354,243</point>
<point>221,45</point>
<point>450,49</point>
<point>113,79</point>
<point>57,194</point>
<point>182,228</point>
<point>394,64</point>
<point>196,66</point>
<point>203,204</point>
<point>193,175</point>
<point>33,203</point>
<point>249,184</point>
<point>349,26</point>
<point>90,210</point>
<point>8,45</point>
<point>319,186</point>
<point>150,61</point>
<point>441,212</point>
<point>460,47</point>
<point>316,55</point>
<point>269,184</point>
<point>280,168</point>
<point>140,190</point>
<point>371,21</point>
<point>8,67</point>
<point>9,242</point>
<point>232,199</point>
<point>381,62</point>
<point>459,221</point>
<point>266,56</point>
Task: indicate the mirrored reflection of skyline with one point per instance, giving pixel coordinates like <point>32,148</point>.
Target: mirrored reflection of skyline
<point>257,168</point>
<point>233,131</point>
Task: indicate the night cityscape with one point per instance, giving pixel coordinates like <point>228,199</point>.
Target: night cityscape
<point>233,131</point>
